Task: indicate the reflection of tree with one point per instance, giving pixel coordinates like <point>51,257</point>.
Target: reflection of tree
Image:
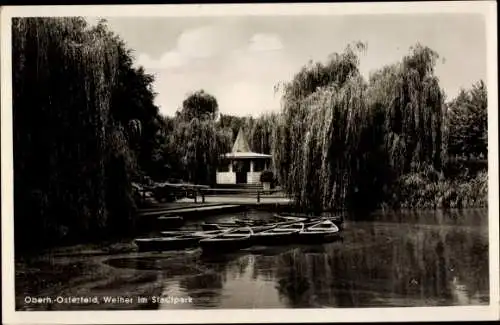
<point>155,289</point>
<point>206,287</point>
<point>390,264</point>
<point>263,267</point>
<point>471,267</point>
<point>321,278</point>
<point>240,265</point>
<point>428,258</point>
<point>292,278</point>
<point>418,262</point>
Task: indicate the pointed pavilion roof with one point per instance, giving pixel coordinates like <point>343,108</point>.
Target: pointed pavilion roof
<point>241,143</point>
<point>241,149</point>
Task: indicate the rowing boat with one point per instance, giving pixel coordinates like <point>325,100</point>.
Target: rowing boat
<point>279,235</point>
<point>170,222</point>
<point>258,225</point>
<point>167,243</point>
<point>231,240</point>
<point>201,234</point>
<point>218,226</point>
<point>323,231</point>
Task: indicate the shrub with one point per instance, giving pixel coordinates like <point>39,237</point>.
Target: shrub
<point>267,176</point>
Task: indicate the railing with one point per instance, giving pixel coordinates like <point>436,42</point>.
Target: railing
<point>172,190</point>
<point>258,194</point>
<point>196,192</point>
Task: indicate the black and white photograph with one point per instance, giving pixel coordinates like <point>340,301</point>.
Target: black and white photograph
<point>250,162</point>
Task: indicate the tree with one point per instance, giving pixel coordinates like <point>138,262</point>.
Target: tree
<point>341,140</point>
<point>199,104</point>
<point>231,122</point>
<point>203,143</point>
<point>308,141</point>
<point>73,132</point>
<point>468,123</point>
<point>408,98</point>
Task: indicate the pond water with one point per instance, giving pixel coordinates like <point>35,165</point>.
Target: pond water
<point>413,258</point>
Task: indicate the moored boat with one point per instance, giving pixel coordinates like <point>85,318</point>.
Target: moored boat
<point>279,235</point>
<point>338,220</point>
<point>323,231</point>
<point>232,240</point>
<point>249,222</point>
<point>171,222</point>
<point>259,227</point>
<point>201,234</point>
<point>167,243</point>
<point>218,226</point>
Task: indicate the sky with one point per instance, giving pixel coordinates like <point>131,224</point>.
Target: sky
<point>239,60</point>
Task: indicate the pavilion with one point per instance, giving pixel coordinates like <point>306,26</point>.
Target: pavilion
<point>241,165</point>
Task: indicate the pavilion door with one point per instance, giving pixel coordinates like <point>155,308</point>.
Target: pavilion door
<point>241,168</point>
<point>241,178</point>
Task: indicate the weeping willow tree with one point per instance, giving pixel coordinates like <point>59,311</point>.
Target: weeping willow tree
<point>233,123</point>
<point>330,151</point>
<point>203,143</point>
<point>72,159</point>
<point>196,141</point>
<point>409,97</point>
<point>260,130</point>
<point>321,108</point>
<point>409,104</point>
<point>341,140</point>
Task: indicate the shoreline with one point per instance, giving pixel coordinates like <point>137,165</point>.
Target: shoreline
<point>126,244</point>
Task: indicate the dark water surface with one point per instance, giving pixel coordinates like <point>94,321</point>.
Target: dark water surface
<point>393,260</point>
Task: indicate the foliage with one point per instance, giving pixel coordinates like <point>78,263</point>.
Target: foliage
<point>204,139</point>
<point>337,70</point>
<point>341,140</point>
<point>200,105</point>
<point>311,151</point>
<point>424,190</point>
<point>86,127</point>
<point>409,96</point>
<point>76,139</point>
<point>231,122</point>
<point>468,123</point>
<point>260,132</point>
<point>203,144</point>
<point>267,176</point>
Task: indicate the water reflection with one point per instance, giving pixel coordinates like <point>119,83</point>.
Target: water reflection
<point>405,259</point>
<point>205,289</point>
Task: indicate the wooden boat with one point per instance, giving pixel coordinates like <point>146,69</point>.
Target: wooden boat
<point>260,227</point>
<point>323,231</point>
<point>231,240</point>
<point>283,219</point>
<point>174,240</point>
<point>311,220</point>
<point>170,222</point>
<point>201,234</point>
<point>279,235</point>
<point>243,222</point>
<point>250,222</point>
<point>285,216</point>
<point>236,224</point>
<point>217,226</point>
<point>336,218</point>
<point>167,243</point>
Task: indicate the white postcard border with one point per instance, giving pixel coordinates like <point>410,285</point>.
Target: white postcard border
<point>491,312</point>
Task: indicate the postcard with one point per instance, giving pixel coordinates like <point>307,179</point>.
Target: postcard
<point>250,163</point>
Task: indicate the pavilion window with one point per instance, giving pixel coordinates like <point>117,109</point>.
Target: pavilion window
<point>259,165</point>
